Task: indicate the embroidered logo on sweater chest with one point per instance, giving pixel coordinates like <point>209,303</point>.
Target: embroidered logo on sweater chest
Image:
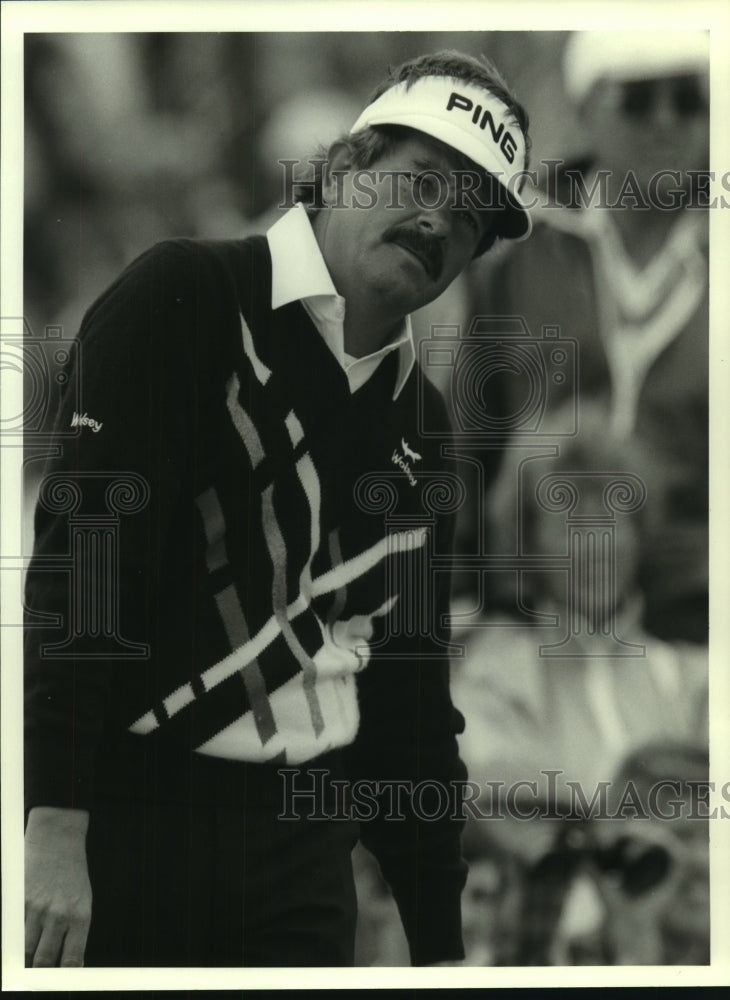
<point>84,420</point>
<point>403,461</point>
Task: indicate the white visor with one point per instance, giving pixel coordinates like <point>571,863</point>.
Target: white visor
<point>466,118</point>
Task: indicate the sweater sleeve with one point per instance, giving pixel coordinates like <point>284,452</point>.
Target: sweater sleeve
<point>133,378</point>
<point>407,742</point>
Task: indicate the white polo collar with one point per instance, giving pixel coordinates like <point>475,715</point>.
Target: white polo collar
<point>299,273</point>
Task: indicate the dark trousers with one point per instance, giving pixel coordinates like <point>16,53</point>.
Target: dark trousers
<point>218,883</point>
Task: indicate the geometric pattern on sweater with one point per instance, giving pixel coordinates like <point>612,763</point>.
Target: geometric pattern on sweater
<point>282,550</point>
<point>308,706</point>
<point>311,706</point>
<point>160,349</point>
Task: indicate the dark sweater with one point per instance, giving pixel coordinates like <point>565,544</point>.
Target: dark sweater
<point>259,603</point>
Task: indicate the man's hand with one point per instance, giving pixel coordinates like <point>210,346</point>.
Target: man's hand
<point>57,887</point>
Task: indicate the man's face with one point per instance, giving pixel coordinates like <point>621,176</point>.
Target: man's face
<point>404,228</point>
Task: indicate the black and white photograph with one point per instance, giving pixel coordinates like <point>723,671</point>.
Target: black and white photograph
<point>364,522</point>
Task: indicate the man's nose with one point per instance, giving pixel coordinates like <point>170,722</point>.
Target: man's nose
<point>435,221</point>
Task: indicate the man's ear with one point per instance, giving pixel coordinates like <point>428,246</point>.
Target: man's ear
<point>339,161</point>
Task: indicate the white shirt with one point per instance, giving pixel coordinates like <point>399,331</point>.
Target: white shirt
<point>299,273</point>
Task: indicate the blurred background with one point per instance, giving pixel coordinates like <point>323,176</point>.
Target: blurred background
<point>135,138</point>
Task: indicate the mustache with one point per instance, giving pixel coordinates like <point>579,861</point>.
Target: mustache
<point>428,248</point>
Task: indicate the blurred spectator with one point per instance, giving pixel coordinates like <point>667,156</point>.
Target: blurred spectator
<point>531,710</point>
<point>658,899</point>
<point>127,139</point>
<point>618,260</point>
<point>133,138</point>
<point>630,887</point>
<point>490,903</point>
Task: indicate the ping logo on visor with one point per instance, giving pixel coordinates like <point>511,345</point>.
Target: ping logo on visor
<point>501,136</point>
<point>469,119</point>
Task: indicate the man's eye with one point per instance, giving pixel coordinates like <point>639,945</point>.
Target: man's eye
<point>469,219</point>
<point>410,180</point>
<point>425,183</point>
